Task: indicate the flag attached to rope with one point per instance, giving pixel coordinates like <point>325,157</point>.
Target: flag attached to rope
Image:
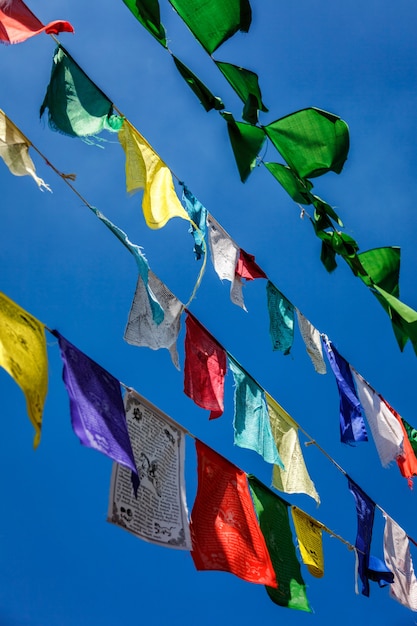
<point>281,319</point>
<point>309,536</point>
<point>365,510</point>
<point>198,217</point>
<point>18,23</point>
<point>312,340</point>
<point>398,559</point>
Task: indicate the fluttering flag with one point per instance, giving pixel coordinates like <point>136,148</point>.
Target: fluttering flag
<point>251,422</point>
<point>141,329</point>
<point>198,216</point>
<point>224,529</point>
<point>246,141</point>
<point>23,356</point>
<point>158,511</point>
<point>295,478</point>
<point>148,14</point>
<point>411,434</point>
<point>246,269</point>
<point>309,536</point>
<point>365,510</point>
<point>379,572</point>
<point>385,428</point>
<point>398,559</point>
<point>352,426</point>
<point>407,461</point>
<point>245,83</point>
<point>281,319</point>
<point>312,340</point>
<point>14,150</point>
<point>18,23</point>
<point>145,170</point>
<point>203,93</point>
<point>274,521</point>
<point>204,368</point>
<point>96,405</point>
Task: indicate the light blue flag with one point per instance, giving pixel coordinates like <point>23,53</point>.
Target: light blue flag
<point>198,214</point>
<point>251,421</point>
<point>281,319</point>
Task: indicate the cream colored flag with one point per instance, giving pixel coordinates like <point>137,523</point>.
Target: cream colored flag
<point>23,355</point>
<point>309,536</point>
<point>311,338</point>
<point>14,150</point>
<point>398,559</point>
<point>145,170</point>
<point>295,477</point>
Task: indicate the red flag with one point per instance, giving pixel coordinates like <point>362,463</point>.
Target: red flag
<point>224,527</point>
<point>247,268</point>
<point>204,369</point>
<point>407,462</point>
<point>18,23</point>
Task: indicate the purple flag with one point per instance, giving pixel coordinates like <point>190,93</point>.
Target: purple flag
<point>96,405</point>
<point>365,509</point>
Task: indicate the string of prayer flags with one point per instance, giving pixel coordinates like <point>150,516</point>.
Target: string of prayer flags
<point>23,356</point>
<point>310,541</point>
<point>14,150</point>
<point>385,428</point>
<point>251,423</point>
<point>274,521</point>
<point>245,83</point>
<point>224,529</point>
<point>158,511</point>
<point>312,340</point>
<point>246,141</point>
<point>295,478</point>
<point>148,14</point>
<point>204,368</point>
<point>203,93</point>
<point>407,461</point>
<point>352,426</point>
<point>76,106</point>
<point>145,170</point>
<point>18,23</point>
<point>142,330</point>
<point>398,559</point>
<point>96,405</point>
<point>365,510</point>
<point>198,216</point>
<point>281,319</point>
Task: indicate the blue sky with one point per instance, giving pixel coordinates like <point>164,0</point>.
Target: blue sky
<point>61,563</point>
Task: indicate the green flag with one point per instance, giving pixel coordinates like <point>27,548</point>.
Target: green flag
<point>411,434</point>
<point>246,85</point>
<point>207,99</point>
<point>247,141</point>
<point>148,14</point>
<point>298,189</point>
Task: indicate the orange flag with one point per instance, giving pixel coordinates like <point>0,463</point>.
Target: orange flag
<point>18,23</point>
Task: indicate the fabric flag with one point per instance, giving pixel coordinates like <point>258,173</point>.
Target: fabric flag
<point>224,529</point>
<point>273,517</point>
<point>158,511</point>
<point>204,368</point>
<point>76,106</point>
<point>411,434</point>
<point>14,150</point>
<point>379,572</point>
<point>251,420</point>
<point>365,510</point>
<point>312,340</point>
<point>145,170</point>
<point>148,14</point>
<point>96,405</point>
<point>245,83</point>
<point>310,541</point>
<point>23,355</point>
<point>398,559</point>
<point>198,215</point>
<point>141,329</point>
<point>18,23</point>
<point>281,319</point>
<point>352,426</point>
<point>203,93</point>
<point>407,462</point>
<point>295,478</point>
<point>246,141</point>
<point>387,432</point>
<point>246,269</point>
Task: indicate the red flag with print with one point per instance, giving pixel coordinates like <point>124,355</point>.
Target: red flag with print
<point>18,23</point>
<point>247,268</point>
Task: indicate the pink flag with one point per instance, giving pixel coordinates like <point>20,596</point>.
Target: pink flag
<point>18,23</point>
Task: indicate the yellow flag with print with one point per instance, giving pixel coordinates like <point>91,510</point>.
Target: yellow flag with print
<point>23,355</point>
<point>309,535</point>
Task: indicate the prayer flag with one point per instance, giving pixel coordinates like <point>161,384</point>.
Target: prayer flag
<point>246,269</point>
<point>281,319</point>
<point>203,93</point>
<point>145,170</point>
<point>365,510</point>
<point>204,368</point>
<point>18,23</point>
<point>23,356</point>
<point>224,529</point>
<point>398,559</point>
<point>310,541</point>
<point>246,141</point>
<point>96,405</point>
<point>251,422</point>
<point>148,14</point>
<point>198,216</point>
<point>407,461</point>
<point>273,517</point>
<point>297,188</point>
<point>312,340</point>
<point>245,83</point>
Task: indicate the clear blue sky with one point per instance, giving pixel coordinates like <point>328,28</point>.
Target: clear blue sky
<point>61,564</point>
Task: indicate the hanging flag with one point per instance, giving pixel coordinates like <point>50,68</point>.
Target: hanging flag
<point>411,433</point>
<point>18,23</point>
<point>204,368</point>
<point>76,106</point>
<point>203,93</point>
<point>246,269</point>
<point>281,319</point>
<point>96,405</point>
<point>312,340</point>
<point>379,572</point>
<point>274,521</point>
<point>245,83</point>
<point>407,461</point>
<point>295,478</point>
<point>14,150</point>
<point>141,329</point>
<point>352,426</point>
<point>246,141</point>
<point>398,559</point>
<point>251,422</point>
<point>386,430</point>
<point>310,541</point>
<point>148,14</point>
<point>224,255</point>
<point>365,510</point>
<point>23,356</point>
<point>198,216</point>
<point>224,529</point>
<point>158,512</point>
<point>145,170</point>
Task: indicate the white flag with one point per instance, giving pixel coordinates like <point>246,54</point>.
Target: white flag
<point>311,338</point>
<point>398,559</point>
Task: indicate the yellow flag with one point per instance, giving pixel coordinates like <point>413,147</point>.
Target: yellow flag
<point>309,535</point>
<point>145,170</point>
<point>295,477</point>
<point>23,356</point>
